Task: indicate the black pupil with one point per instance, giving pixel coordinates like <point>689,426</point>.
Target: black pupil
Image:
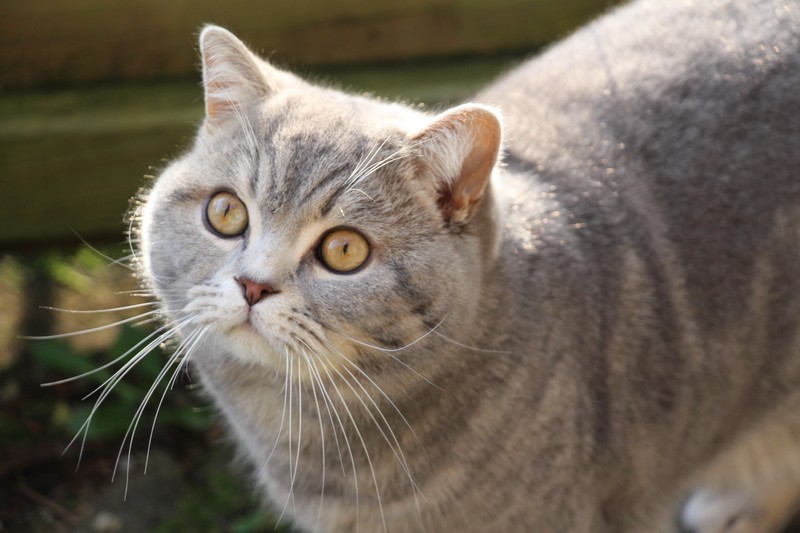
<point>344,248</point>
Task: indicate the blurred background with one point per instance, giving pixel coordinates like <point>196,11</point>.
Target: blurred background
<point>95,97</point>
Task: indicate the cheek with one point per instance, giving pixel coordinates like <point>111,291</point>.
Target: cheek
<point>347,298</point>
<point>178,255</point>
<point>372,308</point>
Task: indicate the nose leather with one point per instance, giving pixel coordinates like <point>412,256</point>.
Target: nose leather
<point>255,291</point>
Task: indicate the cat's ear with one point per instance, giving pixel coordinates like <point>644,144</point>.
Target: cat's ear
<point>232,75</point>
<point>458,151</point>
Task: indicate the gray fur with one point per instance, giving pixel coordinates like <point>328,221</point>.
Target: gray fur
<point>612,324</point>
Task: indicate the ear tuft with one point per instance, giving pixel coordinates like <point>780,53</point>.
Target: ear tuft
<point>232,75</point>
<point>458,151</point>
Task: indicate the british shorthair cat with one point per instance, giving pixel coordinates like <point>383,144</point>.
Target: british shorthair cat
<point>572,304</point>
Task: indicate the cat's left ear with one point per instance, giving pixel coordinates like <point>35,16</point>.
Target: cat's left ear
<point>459,151</point>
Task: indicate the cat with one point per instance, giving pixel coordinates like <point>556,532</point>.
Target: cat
<point>571,304</point>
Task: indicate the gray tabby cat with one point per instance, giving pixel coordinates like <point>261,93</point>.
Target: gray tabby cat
<point>583,316</point>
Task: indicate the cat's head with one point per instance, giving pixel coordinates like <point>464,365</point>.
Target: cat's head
<point>308,222</point>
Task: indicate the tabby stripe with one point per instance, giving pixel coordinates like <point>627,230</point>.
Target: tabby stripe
<point>323,183</point>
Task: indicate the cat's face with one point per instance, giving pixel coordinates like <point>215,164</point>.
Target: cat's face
<point>305,222</point>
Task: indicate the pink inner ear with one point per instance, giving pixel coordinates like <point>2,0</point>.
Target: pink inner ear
<point>216,106</point>
<point>231,73</point>
<point>476,130</point>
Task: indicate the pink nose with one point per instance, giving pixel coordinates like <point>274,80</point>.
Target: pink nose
<point>255,291</point>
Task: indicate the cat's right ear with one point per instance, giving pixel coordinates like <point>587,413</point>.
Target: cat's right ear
<point>459,151</point>
<point>232,75</point>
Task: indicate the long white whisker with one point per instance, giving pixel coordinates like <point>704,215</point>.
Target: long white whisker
<point>363,445</point>
<point>169,331</point>
<point>395,448</point>
<point>365,161</point>
<point>95,311</point>
<point>400,153</point>
<point>93,330</point>
<point>410,344</point>
<point>131,431</point>
<point>462,345</point>
<point>283,412</point>
<point>395,156</point>
<point>111,383</point>
<point>383,393</point>
<point>244,122</point>
<point>137,417</point>
<point>111,260</point>
<point>290,496</point>
<point>181,365</point>
<point>390,352</point>
<point>329,401</point>
<point>321,439</point>
<point>330,416</point>
<point>107,365</point>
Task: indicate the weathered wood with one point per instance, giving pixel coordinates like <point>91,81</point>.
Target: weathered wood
<point>53,42</point>
<point>71,159</point>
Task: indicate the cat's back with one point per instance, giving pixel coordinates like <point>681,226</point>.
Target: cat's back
<point>674,127</point>
<point>656,75</point>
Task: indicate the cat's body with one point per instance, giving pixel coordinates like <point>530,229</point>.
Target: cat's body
<point>571,341</point>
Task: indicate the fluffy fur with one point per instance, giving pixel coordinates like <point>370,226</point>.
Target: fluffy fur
<point>581,338</point>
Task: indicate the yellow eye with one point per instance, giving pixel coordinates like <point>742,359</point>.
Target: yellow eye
<point>343,250</point>
<point>226,215</point>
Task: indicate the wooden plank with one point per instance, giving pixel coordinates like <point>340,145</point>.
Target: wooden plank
<point>71,159</point>
<point>56,42</point>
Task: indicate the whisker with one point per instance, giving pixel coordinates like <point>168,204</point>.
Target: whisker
<point>400,153</point>
<point>329,401</point>
<point>113,380</point>
<point>330,417</point>
<point>389,351</point>
<point>111,260</point>
<point>363,444</point>
<point>398,452</point>
<point>410,344</point>
<point>290,496</point>
<point>364,174</point>
<point>283,412</point>
<point>362,192</point>
<point>107,365</point>
<point>95,311</point>
<point>462,345</point>
<point>131,431</point>
<point>391,158</point>
<point>396,448</point>
<point>322,442</point>
<point>383,393</point>
<point>92,330</point>
<point>182,364</point>
<point>363,163</point>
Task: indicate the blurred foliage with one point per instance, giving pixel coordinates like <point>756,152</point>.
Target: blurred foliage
<point>112,419</point>
<point>37,423</point>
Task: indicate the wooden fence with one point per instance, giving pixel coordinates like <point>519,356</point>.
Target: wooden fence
<point>94,94</point>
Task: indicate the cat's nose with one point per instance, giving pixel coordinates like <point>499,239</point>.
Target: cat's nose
<point>255,291</point>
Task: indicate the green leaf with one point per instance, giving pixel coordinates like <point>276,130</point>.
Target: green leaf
<point>187,418</point>
<point>254,522</point>
<point>110,420</point>
<point>58,356</point>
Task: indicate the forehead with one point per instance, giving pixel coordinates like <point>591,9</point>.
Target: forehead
<point>312,152</point>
